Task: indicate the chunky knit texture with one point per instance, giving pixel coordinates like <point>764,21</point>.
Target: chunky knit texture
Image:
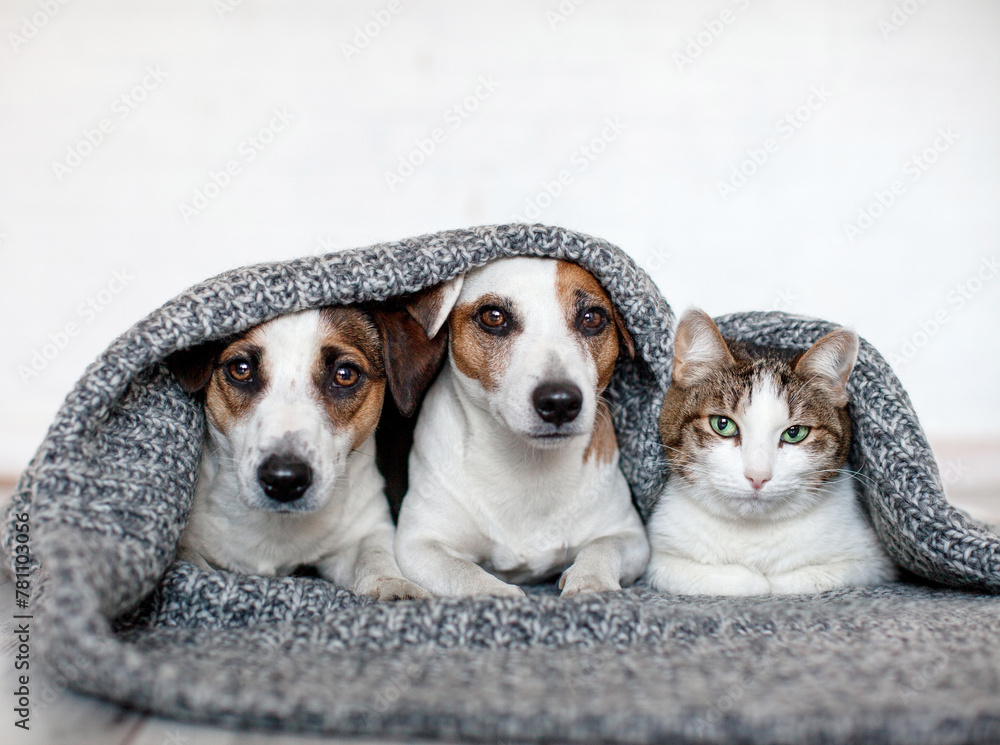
<point>110,487</point>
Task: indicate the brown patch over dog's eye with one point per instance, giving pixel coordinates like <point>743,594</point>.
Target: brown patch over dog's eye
<point>349,372</point>
<point>593,321</point>
<point>239,376</point>
<point>588,312</point>
<point>239,370</point>
<point>479,350</point>
<point>342,376</point>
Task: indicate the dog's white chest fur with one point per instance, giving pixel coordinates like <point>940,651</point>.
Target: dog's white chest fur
<point>514,470</point>
<point>269,543</point>
<point>698,552</point>
<point>521,514</point>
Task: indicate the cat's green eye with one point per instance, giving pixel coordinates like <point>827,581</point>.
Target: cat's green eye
<point>723,426</point>
<point>794,434</point>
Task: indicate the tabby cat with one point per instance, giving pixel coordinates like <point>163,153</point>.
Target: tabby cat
<point>758,500</point>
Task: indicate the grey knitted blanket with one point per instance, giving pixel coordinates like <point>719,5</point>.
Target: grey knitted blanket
<point>109,490</point>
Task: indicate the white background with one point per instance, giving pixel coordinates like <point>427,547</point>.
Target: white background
<point>779,241</point>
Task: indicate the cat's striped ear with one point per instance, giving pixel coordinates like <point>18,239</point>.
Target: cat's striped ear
<point>699,349</point>
<point>831,360</point>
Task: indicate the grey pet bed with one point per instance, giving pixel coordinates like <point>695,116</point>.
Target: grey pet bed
<point>109,489</point>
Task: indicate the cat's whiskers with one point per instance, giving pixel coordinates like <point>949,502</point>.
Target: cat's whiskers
<point>683,453</point>
<point>857,475</point>
<point>854,474</point>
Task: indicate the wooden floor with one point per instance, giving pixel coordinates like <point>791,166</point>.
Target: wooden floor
<point>971,472</point>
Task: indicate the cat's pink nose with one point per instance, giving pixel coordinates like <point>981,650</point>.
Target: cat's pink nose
<point>757,480</point>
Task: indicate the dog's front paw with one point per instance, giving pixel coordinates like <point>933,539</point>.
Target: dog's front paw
<point>486,585</point>
<point>577,582</point>
<point>391,588</point>
<point>489,585</point>
<point>504,590</point>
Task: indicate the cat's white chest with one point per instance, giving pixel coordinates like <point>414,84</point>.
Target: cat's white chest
<point>762,546</point>
<point>697,552</point>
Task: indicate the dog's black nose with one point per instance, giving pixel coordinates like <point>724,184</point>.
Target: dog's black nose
<point>557,403</point>
<point>284,478</point>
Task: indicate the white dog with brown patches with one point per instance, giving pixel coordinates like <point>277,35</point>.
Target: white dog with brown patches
<point>288,476</point>
<point>514,473</point>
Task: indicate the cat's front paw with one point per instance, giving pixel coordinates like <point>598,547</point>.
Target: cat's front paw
<point>390,588</point>
<point>685,577</point>
<point>734,580</point>
<point>575,581</point>
<point>823,577</point>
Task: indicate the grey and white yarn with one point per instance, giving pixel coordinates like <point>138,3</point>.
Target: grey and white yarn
<point>110,486</point>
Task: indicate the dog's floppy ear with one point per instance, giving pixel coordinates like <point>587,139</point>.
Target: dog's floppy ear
<point>623,334</point>
<point>193,366</point>
<point>411,358</point>
<point>430,308</point>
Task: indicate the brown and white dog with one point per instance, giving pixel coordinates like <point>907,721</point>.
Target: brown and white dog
<point>514,471</point>
<point>288,477</point>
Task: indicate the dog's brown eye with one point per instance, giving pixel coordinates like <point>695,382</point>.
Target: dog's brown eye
<point>345,376</point>
<point>494,318</point>
<point>593,320</point>
<point>240,370</point>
